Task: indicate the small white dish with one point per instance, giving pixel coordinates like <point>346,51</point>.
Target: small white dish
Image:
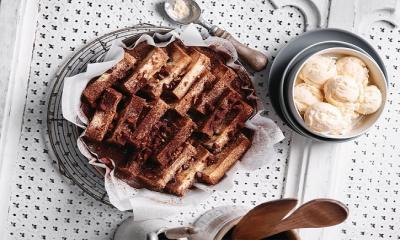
<point>308,51</point>
<point>376,77</point>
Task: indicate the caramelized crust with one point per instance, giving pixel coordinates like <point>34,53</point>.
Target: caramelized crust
<point>190,98</point>
<point>173,69</point>
<point>242,111</point>
<point>127,120</point>
<point>200,63</point>
<point>103,116</point>
<point>129,173</point>
<point>213,123</point>
<point>186,176</point>
<point>156,179</point>
<point>207,100</point>
<point>219,164</point>
<point>173,118</point>
<point>152,63</point>
<point>159,107</point>
<point>186,128</point>
<point>94,89</point>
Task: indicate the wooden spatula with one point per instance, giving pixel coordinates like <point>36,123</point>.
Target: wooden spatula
<point>263,218</point>
<point>317,213</point>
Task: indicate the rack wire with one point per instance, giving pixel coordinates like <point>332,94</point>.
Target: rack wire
<point>63,135</point>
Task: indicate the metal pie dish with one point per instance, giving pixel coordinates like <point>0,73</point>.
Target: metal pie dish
<point>61,134</point>
<point>292,115</point>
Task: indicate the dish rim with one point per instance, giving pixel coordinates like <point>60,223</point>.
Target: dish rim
<point>352,133</point>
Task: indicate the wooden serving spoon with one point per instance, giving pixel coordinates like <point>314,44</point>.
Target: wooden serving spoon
<point>317,213</point>
<point>263,217</point>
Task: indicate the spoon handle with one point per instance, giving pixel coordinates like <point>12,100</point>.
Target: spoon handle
<point>255,59</point>
<point>180,232</point>
<point>317,213</point>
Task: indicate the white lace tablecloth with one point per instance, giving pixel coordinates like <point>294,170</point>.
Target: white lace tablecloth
<point>46,205</point>
<point>369,180</point>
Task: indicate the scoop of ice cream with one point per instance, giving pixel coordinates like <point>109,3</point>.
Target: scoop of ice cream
<point>353,67</point>
<point>343,91</point>
<point>349,114</point>
<point>317,70</point>
<point>325,118</point>
<point>306,95</point>
<point>371,101</point>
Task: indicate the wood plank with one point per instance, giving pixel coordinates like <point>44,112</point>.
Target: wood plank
<point>19,30</point>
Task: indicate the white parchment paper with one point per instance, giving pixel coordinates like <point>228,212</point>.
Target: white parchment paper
<point>145,203</point>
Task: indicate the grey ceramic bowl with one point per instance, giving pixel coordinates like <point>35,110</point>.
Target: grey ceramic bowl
<point>376,76</point>
<point>305,40</point>
<point>287,114</point>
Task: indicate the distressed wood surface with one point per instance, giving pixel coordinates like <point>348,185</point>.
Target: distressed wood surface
<point>64,27</point>
<point>19,28</point>
<point>9,20</point>
<point>318,169</point>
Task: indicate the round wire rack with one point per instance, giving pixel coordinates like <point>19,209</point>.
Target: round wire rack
<point>63,135</point>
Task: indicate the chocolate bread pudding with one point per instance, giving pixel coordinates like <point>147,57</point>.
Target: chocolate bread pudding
<point>168,117</point>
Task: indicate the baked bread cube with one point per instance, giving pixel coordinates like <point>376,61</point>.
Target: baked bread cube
<point>181,135</point>
<point>191,97</point>
<point>95,88</point>
<point>127,120</point>
<point>207,101</point>
<point>171,71</point>
<point>219,164</point>
<point>199,64</point>
<point>186,176</point>
<point>146,69</point>
<point>156,179</point>
<point>213,123</point>
<point>101,120</point>
<point>241,111</point>
<point>158,108</point>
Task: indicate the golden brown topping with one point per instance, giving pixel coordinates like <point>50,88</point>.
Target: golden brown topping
<point>175,118</point>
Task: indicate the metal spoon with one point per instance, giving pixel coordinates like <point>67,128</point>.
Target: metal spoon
<point>255,59</point>
<point>180,232</point>
<point>317,213</point>
<point>173,233</point>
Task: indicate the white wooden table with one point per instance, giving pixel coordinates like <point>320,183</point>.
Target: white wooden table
<point>38,36</point>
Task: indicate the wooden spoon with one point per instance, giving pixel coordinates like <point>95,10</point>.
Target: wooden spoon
<point>262,218</point>
<point>317,213</point>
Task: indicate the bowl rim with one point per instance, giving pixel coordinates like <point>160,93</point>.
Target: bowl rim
<point>299,119</point>
<point>275,69</point>
<point>287,115</point>
<point>300,55</point>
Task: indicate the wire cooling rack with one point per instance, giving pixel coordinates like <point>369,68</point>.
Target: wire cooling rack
<point>63,135</point>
